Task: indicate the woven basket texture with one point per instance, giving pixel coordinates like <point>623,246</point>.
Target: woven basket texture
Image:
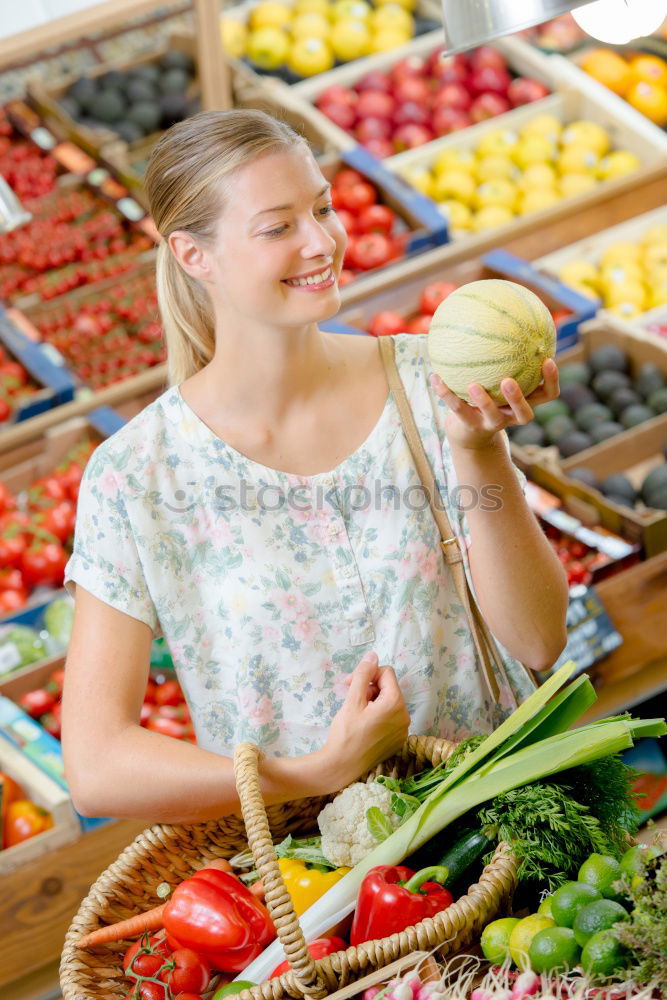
<point>169,854</point>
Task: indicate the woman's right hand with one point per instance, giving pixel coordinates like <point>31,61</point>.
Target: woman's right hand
<point>372,723</point>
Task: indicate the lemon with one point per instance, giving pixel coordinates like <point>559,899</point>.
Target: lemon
<point>268,47</point>
<point>522,935</point>
<point>544,909</point>
<point>420,178</point>
<point>588,134</point>
<point>540,175</point>
<point>387,39</point>
<point>392,15</point>
<point>614,274</point>
<point>597,916</point>
<point>534,149</point>
<point>499,141</point>
<point>494,166</point>
<point>270,14</point>
<point>574,184</point>
<point>546,126</point>
<point>491,217</point>
<point>654,234</point>
<point>322,7</point>
<point>625,291</point>
<point>455,184</point>
<point>554,950</point>
<point>495,940</point>
<point>537,200</point>
<point>568,899</point>
<point>657,296</point>
<point>576,271</point>
<point>496,192</point>
<point>359,10</point>
<point>408,4</point>
<point>234,35</point>
<point>577,160</point>
<point>350,39</point>
<point>602,955</point>
<point>620,253</point>
<point>309,56</point>
<point>617,164</point>
<point>626,310</point>
<point>584,289</point>
<point>655,256</point>
<point>310,25</point>
<point>457,214</point>
<point>450,159</point>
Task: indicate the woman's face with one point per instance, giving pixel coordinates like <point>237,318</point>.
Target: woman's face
<point>279,245</point>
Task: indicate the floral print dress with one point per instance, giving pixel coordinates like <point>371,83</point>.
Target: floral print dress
<point>269,587</point>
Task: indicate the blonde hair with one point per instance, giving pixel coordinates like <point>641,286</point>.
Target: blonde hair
<point>184,182</point>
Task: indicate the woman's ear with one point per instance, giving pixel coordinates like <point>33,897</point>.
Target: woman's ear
<point>190,255</point>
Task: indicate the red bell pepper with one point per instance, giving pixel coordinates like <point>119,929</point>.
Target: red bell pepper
<point>214,913</point>
<point>318,949</point>
<point>392,898</point>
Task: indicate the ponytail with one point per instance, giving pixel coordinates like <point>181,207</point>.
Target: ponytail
<point>187,317</point>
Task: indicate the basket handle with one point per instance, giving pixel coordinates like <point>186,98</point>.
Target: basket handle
<point>278,900</point>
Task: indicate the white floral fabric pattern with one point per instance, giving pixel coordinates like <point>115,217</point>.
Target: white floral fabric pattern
<point>270,587</point>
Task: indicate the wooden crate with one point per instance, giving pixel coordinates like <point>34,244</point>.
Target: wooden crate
<point>43,791</point>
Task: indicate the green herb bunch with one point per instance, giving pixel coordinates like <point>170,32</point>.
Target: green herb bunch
<point>645,933</point>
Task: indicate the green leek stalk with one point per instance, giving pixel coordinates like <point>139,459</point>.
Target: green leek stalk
<point>529,745</point>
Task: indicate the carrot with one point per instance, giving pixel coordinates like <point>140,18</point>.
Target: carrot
<point>258,889</point>
<point>150,920</point>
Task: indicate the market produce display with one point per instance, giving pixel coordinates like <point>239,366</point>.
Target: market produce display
<point>376,233</point>
<point>20,818</point>
<point>420,98</point>
<point>509,174</point>
<point>22,645</point>
<point>16,386</point>
<point>29,171</point>
<point>638,77</point>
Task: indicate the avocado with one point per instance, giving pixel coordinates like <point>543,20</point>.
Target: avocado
<point>576,371</point>
<point>109,106</point>
<point>658,499</point>
<point>588,416</point>
<point>545,412</point>
<point>649,379</point>
<point>531,433</point>
<point>558,427</point>
<point>584,475</point>
<point>70,106</point>
<point>175,59</point>
<point>607,358</point>
<point>635,415</point>
<point>573,442</point>
<point>618,486</point>
<point>136,89</point>
<point>604,383</point>
<point>619,500</point>
<point>576,395</point>
<point>173,108</point>
<point>601,432</point>
<point>621,398</point>
<point>84,91</point>
<point>129,131</point>
<point>150,72</point>
<point>174,81</point>
<point>658,401</point>
<point>654,486</point>
<point>111,80</point>
<point>145,114</point>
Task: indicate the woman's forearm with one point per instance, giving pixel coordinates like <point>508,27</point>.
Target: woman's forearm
<point>520,585</point>
<point>144,775</point>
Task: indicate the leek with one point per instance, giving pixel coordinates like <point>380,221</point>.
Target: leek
<point>529,745</point>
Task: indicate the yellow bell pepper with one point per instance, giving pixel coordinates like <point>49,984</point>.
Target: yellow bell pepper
<point>306,885</point>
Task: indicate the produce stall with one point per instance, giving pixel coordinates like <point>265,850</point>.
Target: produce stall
<point>512,162</point>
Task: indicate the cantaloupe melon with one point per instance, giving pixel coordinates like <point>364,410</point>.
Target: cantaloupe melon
<point>490,330</point>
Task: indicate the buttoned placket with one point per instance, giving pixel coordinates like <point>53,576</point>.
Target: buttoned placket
<point>346,572</point>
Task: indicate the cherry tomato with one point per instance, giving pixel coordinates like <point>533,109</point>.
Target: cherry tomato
<point>155,945</point>
<point>376,219</point>
<point>433,294</point>
<point>151,991</point>
<point>37,703</point>
<point>12,600</point>
<point>190,974</point>
<point>43,563</point>
<point>24,820</point>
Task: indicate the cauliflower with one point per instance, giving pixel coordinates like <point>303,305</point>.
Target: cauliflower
<point>346,839</point>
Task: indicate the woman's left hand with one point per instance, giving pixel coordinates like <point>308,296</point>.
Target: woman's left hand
<point>474,427</point>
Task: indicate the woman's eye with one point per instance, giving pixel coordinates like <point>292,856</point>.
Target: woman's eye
<point>326,210</point>
<point>275,232</point>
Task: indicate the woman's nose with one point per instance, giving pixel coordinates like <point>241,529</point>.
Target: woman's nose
<point>318,241</point>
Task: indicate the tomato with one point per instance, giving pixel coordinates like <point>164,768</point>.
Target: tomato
<point>376,219</point>
<point>190,972</point>
<point>151,687</point>
<point>44,564</point>
<point>24,820</point>
<point>51,722</point>
<point>167,727</point>
<point>11,579</point>
<point>154,946</point>
<point>12,600</point>
<point>48,487</point>
<point>5,410</point>
<point>56,681</point>
<point>7,499</point>
<point>59,520</point>
<point>319,948</point>
<point>345,277</point>
<point>356,197</point>
<point>347,220</point>
<point>37,702</point>
<point>151,991</point>
<point>433,294</point>
<point>168,693</point>
<point>71,479</point>
<point>370,250</point>
<point>386,323</point>
<point>10,791</point>
<point>419,324</point>
<point>12,547</point>
<point>347,177</point>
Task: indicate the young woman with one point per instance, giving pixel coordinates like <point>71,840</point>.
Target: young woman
<point>263,513</point>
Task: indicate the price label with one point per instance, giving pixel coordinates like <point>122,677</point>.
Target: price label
<point>590,631</point>
<point>10,658</point>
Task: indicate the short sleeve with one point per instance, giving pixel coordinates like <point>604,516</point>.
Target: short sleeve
<point>105,558</point>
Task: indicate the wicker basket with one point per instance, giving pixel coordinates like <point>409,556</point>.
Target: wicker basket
<point>171,853</point>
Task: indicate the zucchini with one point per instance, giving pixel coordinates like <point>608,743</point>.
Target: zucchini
<point>465,852</point>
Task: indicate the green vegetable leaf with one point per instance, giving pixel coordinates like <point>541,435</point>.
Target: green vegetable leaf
<point>306,849</point>
<point>378,825</point>
<point>404,805</point>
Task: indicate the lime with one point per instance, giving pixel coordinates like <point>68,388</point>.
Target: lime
<point>633,861</point>
<point>597,916</point>
<point>495,939</point>
<point>554,949</point>
<point>231,989</point>
<point>545,907</point>
<point>523,934</point>
<point>601,871</point>
<point>569,899</point>
<point>602,955</point>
